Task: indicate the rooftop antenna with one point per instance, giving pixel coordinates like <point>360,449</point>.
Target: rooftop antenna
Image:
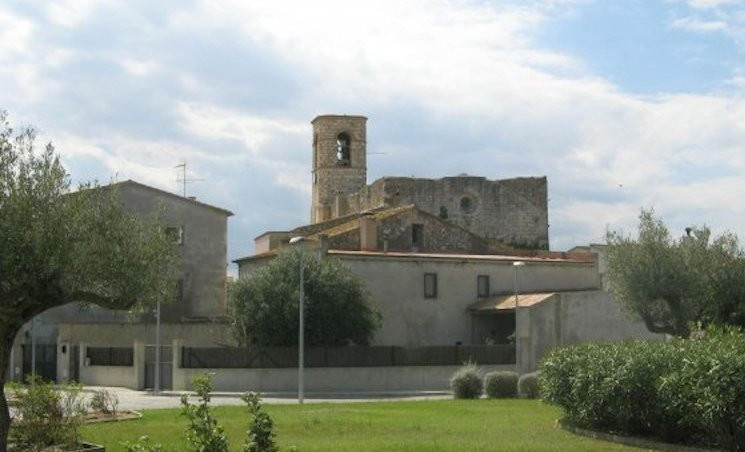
<point>182,179</point>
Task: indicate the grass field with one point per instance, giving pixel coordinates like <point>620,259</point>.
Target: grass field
<point>448,425</point>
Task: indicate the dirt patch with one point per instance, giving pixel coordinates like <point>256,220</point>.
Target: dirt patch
<point>99,416</point>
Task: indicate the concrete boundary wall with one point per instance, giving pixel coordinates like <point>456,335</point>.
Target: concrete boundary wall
<point>123,376</point>
<point>328,379</point>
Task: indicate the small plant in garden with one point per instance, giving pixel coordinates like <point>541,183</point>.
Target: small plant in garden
<point>104,401</point>
<point>203,434</point>
<point>260,434</point>
<point>500,384</point>
<point>466,382</point>
<point>142,445</point>
<point>527,386</point>
<point>46,417</point>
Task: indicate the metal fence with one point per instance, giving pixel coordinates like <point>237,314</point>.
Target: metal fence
<point>353,356</point>
<point>110,356</point>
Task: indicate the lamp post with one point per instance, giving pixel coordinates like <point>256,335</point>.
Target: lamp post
<point>516,265</point>
<point>301,327</point>
<point>156,385</point>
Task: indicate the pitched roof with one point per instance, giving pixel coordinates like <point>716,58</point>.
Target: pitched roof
<point>353,222</point>
<point>507,302</point>
<point>130,182</point>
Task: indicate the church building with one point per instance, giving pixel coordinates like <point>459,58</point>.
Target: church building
<point>458,260</point>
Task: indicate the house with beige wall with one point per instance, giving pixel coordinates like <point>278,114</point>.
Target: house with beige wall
<point>197,315</point>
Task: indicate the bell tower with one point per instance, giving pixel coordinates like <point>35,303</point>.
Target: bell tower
<point>339,163</point>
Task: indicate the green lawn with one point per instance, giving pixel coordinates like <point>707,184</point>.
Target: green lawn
<point>448,425</point>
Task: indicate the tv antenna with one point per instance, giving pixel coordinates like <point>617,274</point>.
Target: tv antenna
<point>182,179</point>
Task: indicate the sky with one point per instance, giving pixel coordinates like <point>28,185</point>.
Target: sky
<point>623,105</point>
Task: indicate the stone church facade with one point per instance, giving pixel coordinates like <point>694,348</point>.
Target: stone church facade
<point>508,211</point>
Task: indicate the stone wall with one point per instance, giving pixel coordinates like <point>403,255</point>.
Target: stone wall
<point>333,178</point>
<point>514,211</point>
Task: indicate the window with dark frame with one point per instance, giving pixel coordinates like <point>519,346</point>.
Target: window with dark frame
<point>482,286</point>
<point>430,285</point>
<point>179,291</point>
<point>417,234</point>
<point>175,234</point>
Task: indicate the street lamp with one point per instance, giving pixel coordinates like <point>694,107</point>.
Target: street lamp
<point>157,376</point>
<point>516,265</point>
<point>301,328</point>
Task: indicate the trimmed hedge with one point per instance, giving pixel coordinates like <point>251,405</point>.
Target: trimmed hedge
<point>527,386</point>
<point>500,384</point>
<point>683,390</point>
<point>466,382</point>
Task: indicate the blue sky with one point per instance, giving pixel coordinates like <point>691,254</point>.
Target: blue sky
<point>621,104</point>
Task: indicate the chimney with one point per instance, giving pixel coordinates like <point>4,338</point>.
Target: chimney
<point>368,233</point>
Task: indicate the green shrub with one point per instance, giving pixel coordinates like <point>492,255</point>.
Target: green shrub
<point>203,433</point>
<point>501,384</point>
<point>466,382</point>
<point>717,377</point>
<point>682,390</point>
<point>142,445</point>
<point>527,386</point>
<point>104,401</point>
<point>260,434</point>
<point>45,416</point>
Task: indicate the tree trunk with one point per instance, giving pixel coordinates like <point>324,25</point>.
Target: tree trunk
<point>8,333</point>
<point>5,350</point>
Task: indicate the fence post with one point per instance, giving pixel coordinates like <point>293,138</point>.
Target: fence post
<point>138,365</point>
<point>177,374</point>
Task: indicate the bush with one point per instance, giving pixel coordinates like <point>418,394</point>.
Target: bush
<point>466,382</point>
<point>527,386</point>
<point>142,445</point>
<point>500,384</point>
<point>203,432</point>
<point>683,390</point>
<point>104,401</point>
<point>260,435</point>
<point>45,416</point>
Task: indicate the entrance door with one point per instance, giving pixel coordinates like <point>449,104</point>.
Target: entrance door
<point>166,367</point>
<point>46,361</point>
<point>74,363</point>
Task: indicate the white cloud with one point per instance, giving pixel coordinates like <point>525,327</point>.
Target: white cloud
<point>698,25</point>
<point>709,4</point>
<point>16,33</point>
<point>253,131</point>
<point>139,67</point>
<point>71,13</point>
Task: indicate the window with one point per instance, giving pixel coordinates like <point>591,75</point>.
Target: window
<point>342,149</point>
<point>417,235</point>
<point>466,204</point>
<point>179,291</point>
<point>430,285</point>
<point>175,234</point>
<point>482,286</point>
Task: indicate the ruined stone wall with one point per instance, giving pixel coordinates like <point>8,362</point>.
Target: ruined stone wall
<point>514,211</point>
<point>395,234</point>
<point>436,235</point>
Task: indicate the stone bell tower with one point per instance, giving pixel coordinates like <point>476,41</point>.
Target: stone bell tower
<point>339,163</point>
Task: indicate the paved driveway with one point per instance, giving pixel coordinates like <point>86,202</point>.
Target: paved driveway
<point>142,400</point>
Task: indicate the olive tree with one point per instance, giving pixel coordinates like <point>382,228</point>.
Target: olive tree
<point>673,283</point>
<point>59,246</point>
<point>337,308</point>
